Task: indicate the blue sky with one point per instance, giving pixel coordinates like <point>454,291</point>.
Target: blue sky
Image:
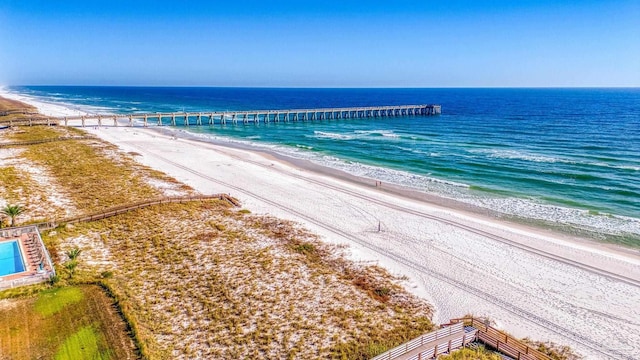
<point>397,43</point>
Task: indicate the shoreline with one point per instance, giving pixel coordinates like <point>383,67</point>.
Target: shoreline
<point>409,193</point>
<point>53,109</point>
<point>616,231</point>
<point>439,259</point>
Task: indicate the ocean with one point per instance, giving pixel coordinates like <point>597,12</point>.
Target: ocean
<point>568,158</point>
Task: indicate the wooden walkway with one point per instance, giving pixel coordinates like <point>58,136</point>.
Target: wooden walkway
<point>430,345</point>
<point>501,341</point>
<point>135,206</point>
<point>117,210</point>
<point>457,334</point>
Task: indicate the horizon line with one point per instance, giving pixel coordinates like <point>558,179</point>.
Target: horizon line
<point>325,87</point>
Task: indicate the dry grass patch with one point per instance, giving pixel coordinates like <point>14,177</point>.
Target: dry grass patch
<point>202,280</point>
<point>39,132</point>
<point>26,183</point>
<point>27,186</point>
<point>14,185</point>
<point>471,354</point>
<point>11,110</point>
<point>553,350</point>
<point>92,173</point>
<point>13,105</point>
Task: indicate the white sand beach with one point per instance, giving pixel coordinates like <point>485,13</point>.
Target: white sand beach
<point>532,282</point>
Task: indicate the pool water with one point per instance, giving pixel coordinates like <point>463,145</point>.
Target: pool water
<point>10,258</point>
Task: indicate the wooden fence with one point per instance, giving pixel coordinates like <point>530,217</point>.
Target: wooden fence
<point>138,205</point>
<point>30,121</point>
<point>501,341</point>
<point>434,343</point>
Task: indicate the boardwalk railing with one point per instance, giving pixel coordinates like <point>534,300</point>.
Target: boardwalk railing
<point>33,119</point>
<point>117,210</point>
<point>434,343</point>
<point>134,206</point>
<point>502,341</point>
<point>252,116</point>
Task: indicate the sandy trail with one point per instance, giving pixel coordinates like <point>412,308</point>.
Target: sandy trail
<point>532,282</point>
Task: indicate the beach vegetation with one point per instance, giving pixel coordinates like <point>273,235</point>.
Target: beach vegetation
<point>73,254</point>
<point>54,279</point>
<point>84,175</point>
<point>217,281</point>
<point>23,183</point>
<point>13,211</point>
<point>553,350</point>
<point>23,134</point>
<point>478,353</point>
<point>23,291</point>
<point>71,267</point>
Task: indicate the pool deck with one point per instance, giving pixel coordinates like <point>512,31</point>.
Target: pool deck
<point>36,259</point>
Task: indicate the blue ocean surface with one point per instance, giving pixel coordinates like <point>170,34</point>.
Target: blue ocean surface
<point>566,156</point>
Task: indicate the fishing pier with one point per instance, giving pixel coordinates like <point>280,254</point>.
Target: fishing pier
<point>244,117</point>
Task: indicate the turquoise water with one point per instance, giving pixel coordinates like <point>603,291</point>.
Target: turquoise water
<point>10,258</point>
<point>568,156</point>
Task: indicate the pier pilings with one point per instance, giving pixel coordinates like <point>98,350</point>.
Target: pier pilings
<point>254,116</point>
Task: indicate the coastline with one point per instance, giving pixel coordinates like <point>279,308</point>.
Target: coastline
<point>589,239</point>
<point>590,216</point>
<point>435,256</point>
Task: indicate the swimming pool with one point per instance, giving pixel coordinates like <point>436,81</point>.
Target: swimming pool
<point>10,258</point>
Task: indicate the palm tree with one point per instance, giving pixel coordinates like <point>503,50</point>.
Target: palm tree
<point>12,211</point>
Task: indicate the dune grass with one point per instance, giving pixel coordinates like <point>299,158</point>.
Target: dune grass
<point>67,323</point>
<point>471,354</point>
<point>92,180</point>
<point>92,173</point>
<point>14,185</point>
<point>554,350</point>
<point>38,133</point>
<point>17,186</point>
<point>202,280</point>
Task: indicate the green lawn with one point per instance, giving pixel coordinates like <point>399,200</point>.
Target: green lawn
<point>64,323</point>
<point>52,301</point>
